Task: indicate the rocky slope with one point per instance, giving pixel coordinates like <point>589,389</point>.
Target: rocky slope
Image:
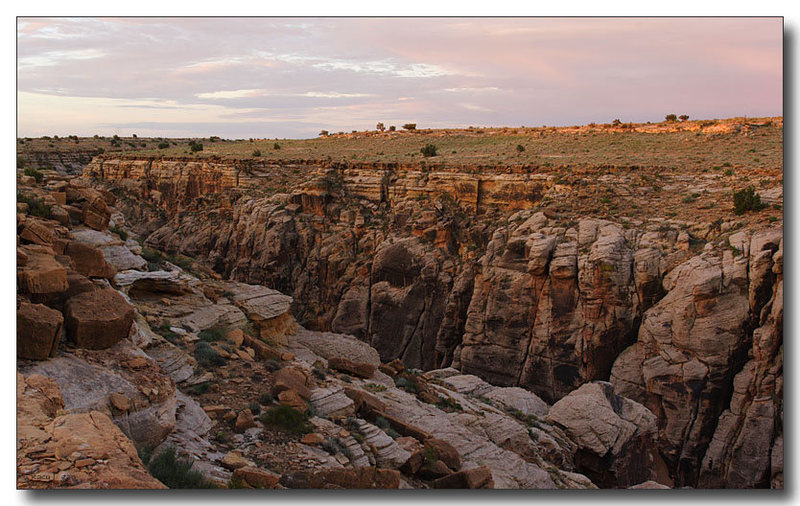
<point>533,305</point>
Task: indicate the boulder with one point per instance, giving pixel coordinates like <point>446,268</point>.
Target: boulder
<point>41,273</point>
<point>615,435</point>
<point>290,378</point>
<point>445,452</point>
<point>244,421</point>
<point>477,477</point>
<point>96,213</point>
<point>234,460</point>
<point>98,319</point>
<point>256,477</point>
<point>360,369</point>
<point>88,260</point>
<point>38,331</point>
<point>36,232</point>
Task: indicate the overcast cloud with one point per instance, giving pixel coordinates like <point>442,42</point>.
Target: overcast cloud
<point>284,77</point>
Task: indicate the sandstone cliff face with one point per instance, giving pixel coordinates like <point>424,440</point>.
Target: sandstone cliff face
<point>554,306</point>
<point>697,348</point>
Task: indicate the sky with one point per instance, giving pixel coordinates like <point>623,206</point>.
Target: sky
<point>292,77</point>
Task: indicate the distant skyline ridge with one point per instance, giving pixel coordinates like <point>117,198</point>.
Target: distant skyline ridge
<point>292,77</point>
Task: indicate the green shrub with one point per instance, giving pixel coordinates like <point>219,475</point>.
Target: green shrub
<point>213,334</point>
<point>520,148</point>
<point>334,445</point>
<point>121,233</point>
<point>175,472</point>
<point>36,207</point>
<point>163,145</point>
<point>286,418</point>
<point>236,482</point>
<point>152,255</point>
<point>255,408</point>
<point>448,405</point>
<point>181,261</point>
<point>257,152</point>
<point>671,117</point>
<point>383,424</point>
<point>207,356</point>
<point>276,146</point>
<point>409,385</point>
<point>199,389</point>
<point>746,200</point>
<point>195,146</point>
<point>38,176</point>
<point>428,150</point>
<point>266,399</point>
<point>409,126</point>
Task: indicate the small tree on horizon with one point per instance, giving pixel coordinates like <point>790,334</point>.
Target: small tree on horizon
<point>671,117</point>
<point>380,127</point>
<point>410,126</point>
<point>683,117</point>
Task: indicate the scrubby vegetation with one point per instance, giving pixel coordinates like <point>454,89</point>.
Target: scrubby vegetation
<point>175,472</point>
<point>286,418</point>
<point>207,356</point>
<point>746,200</point>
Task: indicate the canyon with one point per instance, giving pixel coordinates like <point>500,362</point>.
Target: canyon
<point>562,326</point>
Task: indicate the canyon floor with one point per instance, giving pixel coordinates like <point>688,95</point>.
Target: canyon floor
<point>572,307</point>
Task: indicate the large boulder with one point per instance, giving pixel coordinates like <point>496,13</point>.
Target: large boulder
<point>96,213</point>
<point>38,331</point>
<point>615,435</point>
<point>88,260</point>
<point>98,319</point>
<point>41,273</point>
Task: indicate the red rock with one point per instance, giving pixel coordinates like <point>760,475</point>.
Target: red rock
<point>60,198</point>
<point>89,260</point>
<point>290,378</point>
<point>414,463</point>
<point>312,439</point>
<point>244,421</point>
<point>292,399</point>
<point>36,232</point>
<point>360,369</point>
<point>236,336</point>
<point>477,477</point>
<point>434,471</point>
<point>41,272</point>
<point>406,429</point>
<point>119,401</point>
<point>38,331</point>
<point>393,368</point>
<point>96,214</point>
<point>257,478</point>
<point>445,452</point>
<point>98,319</point>
<point>359,477</point>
